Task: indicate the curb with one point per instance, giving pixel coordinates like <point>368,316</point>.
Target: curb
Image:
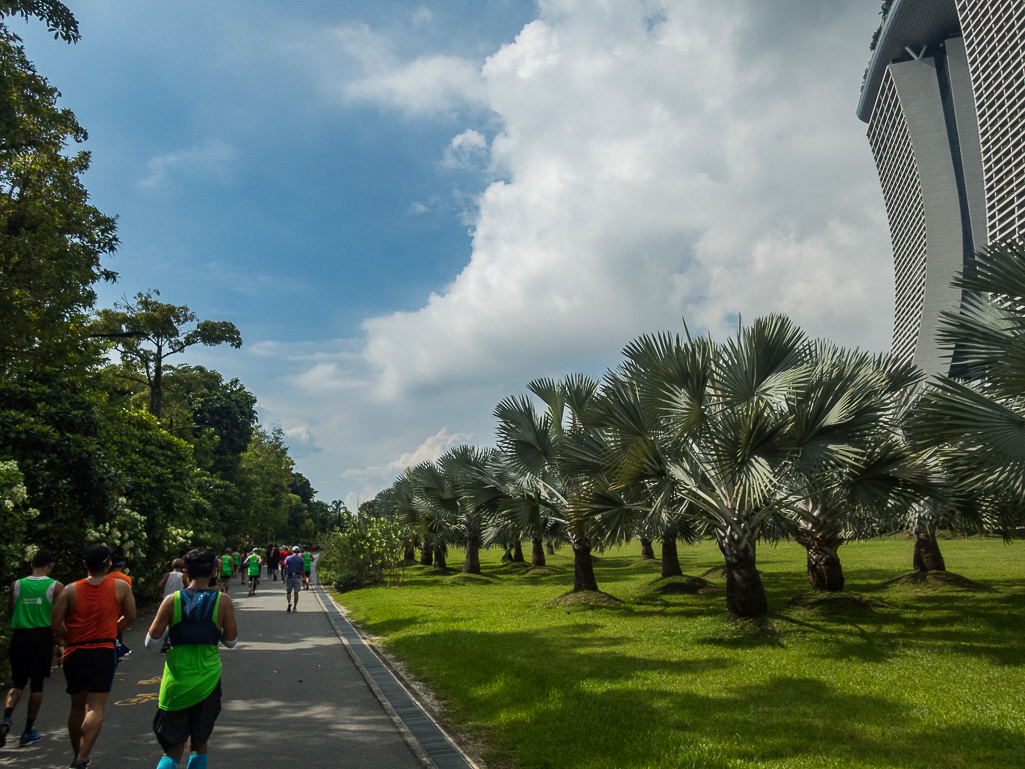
<point>430,743</point>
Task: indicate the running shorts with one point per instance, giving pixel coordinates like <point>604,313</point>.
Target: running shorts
<point>306,573</point>
<point>90,670</point>
<point>31,656</point>
<point>196,723</point>
<point>293,582</point>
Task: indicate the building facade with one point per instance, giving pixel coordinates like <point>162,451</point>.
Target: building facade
<point>944,99</point>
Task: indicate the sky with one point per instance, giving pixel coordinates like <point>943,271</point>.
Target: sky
<point>411,210</point>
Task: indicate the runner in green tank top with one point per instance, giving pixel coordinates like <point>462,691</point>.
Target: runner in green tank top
<point>307,569</point>
<point>30,604</point>
<point>235,561</point>
<point>196,620</point>
<point>253,562</point>
<point>226,569</point>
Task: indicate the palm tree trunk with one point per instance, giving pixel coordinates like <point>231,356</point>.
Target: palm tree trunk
<point>410,553</point>
<point>537,552</point>
<point>471,564</point>
<point>426,554</point>
<point>439,558</point>
<point>647,551</point>
<point>518,552</point>
<point>583,567</point>
<point>550,549</point>
<point>927,551</point>
<point>745,594</point>
<point>825,573</point>
<point>670,558</point>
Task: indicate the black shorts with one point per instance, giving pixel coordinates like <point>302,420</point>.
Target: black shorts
<point>306,573</point>
<point>173,727</point>
<point>90,670</point>
<point>31,656</point>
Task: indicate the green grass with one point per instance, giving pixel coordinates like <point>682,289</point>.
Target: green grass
<point>927,677</point>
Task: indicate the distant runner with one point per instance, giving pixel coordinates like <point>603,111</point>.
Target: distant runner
<point>173,579</point>
<point>190,689</point>
<point>307,569</point>
<point>227,567</point>
<point>117,566</point>
<point>87,616</point>
<point>253,561</point>
<point>273,559</point>
<point>293,579</point>
<point>31,603</point>
<point>235,563</point>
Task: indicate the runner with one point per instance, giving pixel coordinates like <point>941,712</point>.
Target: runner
<point>282,557</point>
<point>293,578</point>
<point>253,561</point>
<point>117,565</point>
<point>236,560</point>
<point>172,582</point>
<point>87,616</point>
<point>190,689</point>
<point>30,604</point>
<point>273,559</point>
<point>227,568</point>
<point>307,568</point>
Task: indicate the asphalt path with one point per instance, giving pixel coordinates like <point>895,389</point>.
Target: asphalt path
<point>291,693</point>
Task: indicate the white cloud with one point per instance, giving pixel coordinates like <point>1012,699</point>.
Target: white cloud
<point>428,451</point>
<point>467,149</point>
<point>211,160</point>
<point>421,15</point>
<point>699,159</point>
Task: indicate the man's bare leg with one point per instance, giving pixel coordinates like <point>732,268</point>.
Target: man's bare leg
<point>35,701</point>
<point>13,698</point>
<point>92,723</point>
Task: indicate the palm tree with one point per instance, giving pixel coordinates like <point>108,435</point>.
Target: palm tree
<point>539,492</point>
<point>975,419</point>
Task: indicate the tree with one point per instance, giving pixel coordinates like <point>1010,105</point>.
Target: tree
<point>57,16</point>
<point>51,239</point>
<point>165,329</point>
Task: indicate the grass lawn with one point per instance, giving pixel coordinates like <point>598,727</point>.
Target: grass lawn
<point>926,677</point>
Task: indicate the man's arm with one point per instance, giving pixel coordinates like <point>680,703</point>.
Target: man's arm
<point>162,582</point>
<point>163,618</point>
<point>226,610</point>
<point>127,600</point>
<point>60,613</point>
<point>10,600</point>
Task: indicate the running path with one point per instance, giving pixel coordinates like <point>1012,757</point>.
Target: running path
<point>291,693</point>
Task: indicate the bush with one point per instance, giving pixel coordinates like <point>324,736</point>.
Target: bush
<point>369,552</point>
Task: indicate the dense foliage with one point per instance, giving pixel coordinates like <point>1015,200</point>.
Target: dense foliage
<point>367,552</point>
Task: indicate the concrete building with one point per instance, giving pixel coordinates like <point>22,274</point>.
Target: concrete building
<point>944,99</point>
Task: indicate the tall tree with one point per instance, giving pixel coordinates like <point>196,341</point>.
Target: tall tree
<point>51,238</point>
<point>160,330</point>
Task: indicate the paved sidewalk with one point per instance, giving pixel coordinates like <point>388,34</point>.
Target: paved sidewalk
<point>291,694</point>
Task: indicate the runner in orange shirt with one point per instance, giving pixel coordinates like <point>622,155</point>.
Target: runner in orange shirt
<point>87,616</point>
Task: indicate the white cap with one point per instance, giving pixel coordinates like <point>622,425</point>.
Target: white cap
<point>295,549</point>
<point>256,550</point>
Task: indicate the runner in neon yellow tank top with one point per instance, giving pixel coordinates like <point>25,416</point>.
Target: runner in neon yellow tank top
<point>196,619</point>
<point>226,569</point>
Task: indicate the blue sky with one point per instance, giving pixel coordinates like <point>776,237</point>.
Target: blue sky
<point>412,209</point>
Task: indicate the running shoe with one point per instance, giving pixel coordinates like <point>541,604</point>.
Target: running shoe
<point>78,763</point>
<point>29,737</point>
<point>5,726</point>
<point>288,607</point>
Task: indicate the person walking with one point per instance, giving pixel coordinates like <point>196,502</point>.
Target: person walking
<point>273,559</point>
<point>86,618</point>
<point>252,563</point>
<point>32,649</point>
<point>196,620</point>
<point>227,569</point>
<point>307,568</point>
<point>293,579</point>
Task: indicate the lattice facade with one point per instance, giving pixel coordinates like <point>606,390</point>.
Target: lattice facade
<point>902,191</point>
<point>994,34</point>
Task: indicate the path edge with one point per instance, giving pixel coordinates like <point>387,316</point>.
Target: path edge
<point>410,739</point>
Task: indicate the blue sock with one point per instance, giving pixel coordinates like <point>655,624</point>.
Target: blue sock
<point>197,761</point>
<point>167,763</point>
